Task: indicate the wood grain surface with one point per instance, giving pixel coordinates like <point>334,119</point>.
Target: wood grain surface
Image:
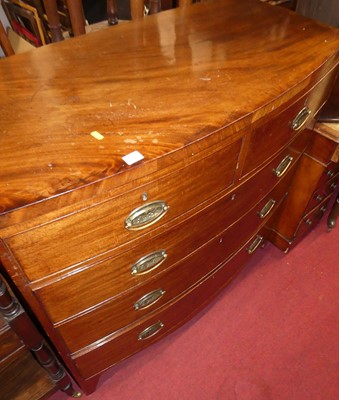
<point>157,88</point>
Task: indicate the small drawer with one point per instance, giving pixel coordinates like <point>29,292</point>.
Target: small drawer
<point>320,194</point>
<point>127,308</point>
<point>330,173</point>
<point>101,281</point>
<point>269,138</point>
<point>98,229</point>
<point>112,349</point>
<point>311,219</point>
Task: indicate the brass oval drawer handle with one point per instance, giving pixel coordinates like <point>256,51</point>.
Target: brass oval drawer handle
<point>146,215</point>
<point>283,166</point>
<point>149,263</point>
<point>301,118</point>
<point>255,244</point>
<point>150,331</point>
<point>149,299</point>
<point>268,207</point>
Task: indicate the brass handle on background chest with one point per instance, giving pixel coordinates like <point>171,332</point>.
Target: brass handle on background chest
<point>255,244</point>
<point>149,299</point>
<point>268,207</point>
<point>149,262</point>
<point>300,119</point>
<point>283,166</point>
<point>150,331</point>
<point>146,215</point>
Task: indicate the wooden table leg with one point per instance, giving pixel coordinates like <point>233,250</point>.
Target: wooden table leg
<point>154,6</point>
<point>53,20</point>
<point>137,9</point>
<point>5,43</point>
<point>76,13</point>
<point>112,12</point>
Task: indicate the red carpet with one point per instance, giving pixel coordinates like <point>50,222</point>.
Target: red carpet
<point>271,335</point>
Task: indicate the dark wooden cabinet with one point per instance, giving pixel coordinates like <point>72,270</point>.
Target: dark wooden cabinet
<point>214,107</point>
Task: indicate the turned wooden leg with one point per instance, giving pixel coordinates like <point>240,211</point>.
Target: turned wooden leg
<point>332,218</point>
<point>5,43</point>
<point>112,12</point>
<point>183,3</point>
<point>76,13</point>
<point>137,9</point>
<point>53,20</point>
<point>154,6</point>
<point>22,325</point>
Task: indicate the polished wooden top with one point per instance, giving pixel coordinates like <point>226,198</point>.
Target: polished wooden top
<point>155,86</point>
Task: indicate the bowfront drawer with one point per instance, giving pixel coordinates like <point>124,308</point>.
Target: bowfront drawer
<point>101,281</point>
<point>267,139</point>
<point>75,238</point>
<point>134,304</point>
<point>93,359</point>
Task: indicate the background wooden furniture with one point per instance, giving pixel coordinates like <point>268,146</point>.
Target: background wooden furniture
<point>111,253</point>
<point>51,20</point>
<point>137,9</point>
<point>77,17</point>
<point>21,376</point>
<point>4,42</point>
<point>326,11</point>
<point>41,22</point>
<point>25,21</point>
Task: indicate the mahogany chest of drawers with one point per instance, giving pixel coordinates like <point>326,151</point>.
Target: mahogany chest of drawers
<point>210,107</point>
